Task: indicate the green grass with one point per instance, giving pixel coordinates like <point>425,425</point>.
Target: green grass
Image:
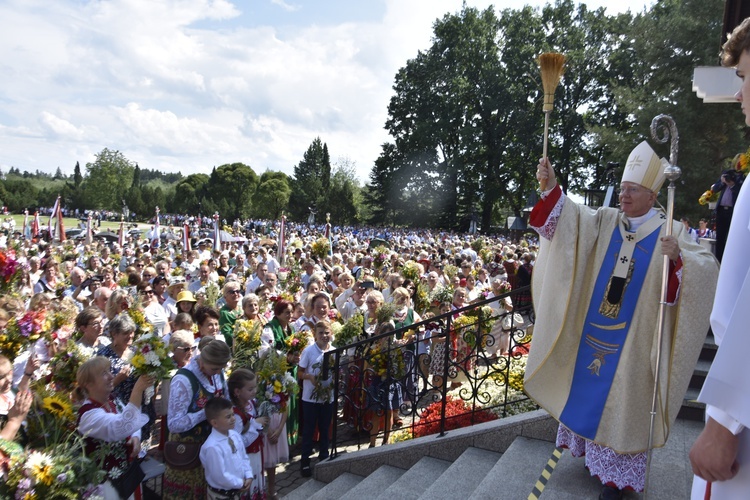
<point>70,222</point>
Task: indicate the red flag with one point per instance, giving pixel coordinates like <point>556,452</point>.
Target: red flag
<point>60,228</point>
<point>282,240</point>
<point>186,238</point>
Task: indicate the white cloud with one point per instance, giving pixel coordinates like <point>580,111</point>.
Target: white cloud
<point>287,7</point>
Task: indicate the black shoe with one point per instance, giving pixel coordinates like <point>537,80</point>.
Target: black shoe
<point>610,493</point>
<point>306,471</point>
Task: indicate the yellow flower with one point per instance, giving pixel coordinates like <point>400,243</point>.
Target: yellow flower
<point>58,407</point>
<point>43,474</point>
<point>277,386</point>
<point>138,361</point>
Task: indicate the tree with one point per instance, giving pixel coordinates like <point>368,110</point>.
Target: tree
<point>231,188</point>
<point>189,192</point>
<point>341,198</point>
<point>272,195</point>
<point>312,178</point>
<point>108,179</point>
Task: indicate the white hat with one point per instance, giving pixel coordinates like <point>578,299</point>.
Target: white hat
<point>644,167</point>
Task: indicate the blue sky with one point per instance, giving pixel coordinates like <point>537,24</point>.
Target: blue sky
<point>186,85</point>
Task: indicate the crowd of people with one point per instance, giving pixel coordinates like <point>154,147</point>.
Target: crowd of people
<point>231,320</point>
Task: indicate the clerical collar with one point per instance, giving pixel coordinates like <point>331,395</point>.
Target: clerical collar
<point>633,223</point>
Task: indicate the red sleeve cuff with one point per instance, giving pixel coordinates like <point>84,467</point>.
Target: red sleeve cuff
<point>673,285</point>
<point>540,212</point>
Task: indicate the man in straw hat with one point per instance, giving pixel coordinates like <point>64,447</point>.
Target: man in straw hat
<point>721,455</point>
<point>596,291</point>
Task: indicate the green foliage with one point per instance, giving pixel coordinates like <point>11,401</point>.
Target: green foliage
<point>232,187</point>
<point>272,195</point>
<point>312,180</point>
<point>108,179</point>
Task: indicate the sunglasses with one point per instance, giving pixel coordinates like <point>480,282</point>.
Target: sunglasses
<point>147,292</point>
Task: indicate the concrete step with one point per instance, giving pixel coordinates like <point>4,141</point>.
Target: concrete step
<point>338,488</point>
<point>376,482</point>
<point>306,490</point>
<point>517,471</point>
<point>671,478</point>
<point>463,476</point>
<point>416,480</point>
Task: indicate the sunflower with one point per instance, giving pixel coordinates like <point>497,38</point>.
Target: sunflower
<point>58,407</point>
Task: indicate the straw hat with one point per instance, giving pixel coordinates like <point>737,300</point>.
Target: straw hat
<point>186,296</point>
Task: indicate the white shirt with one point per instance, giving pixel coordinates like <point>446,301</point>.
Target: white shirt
<point>112,427</point>
<point>311,361</point>
<point>226,468</point>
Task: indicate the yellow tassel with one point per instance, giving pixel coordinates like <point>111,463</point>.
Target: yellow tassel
<point>552,66</point>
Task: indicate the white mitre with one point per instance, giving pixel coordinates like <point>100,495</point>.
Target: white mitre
<point>644,167</point>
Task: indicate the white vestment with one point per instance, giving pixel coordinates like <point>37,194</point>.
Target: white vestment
<point>726,390</point>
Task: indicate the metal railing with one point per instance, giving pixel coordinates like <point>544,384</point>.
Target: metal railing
<point>471,372</point>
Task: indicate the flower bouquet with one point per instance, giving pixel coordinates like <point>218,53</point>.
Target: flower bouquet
<point>276,385</point>
<point>708,197</point>
<point>350,332</point>
<point>741,162</point>
<point>290,278</point>
<point>151,357</point>
<point>380,255</point>
<point>20,332</point>
<point>320,248</point>
<point>386,363</point>
<point>64,365</point>
<point>51,420</point>
<point>246,343</point>
<point>412,271</point>
<point>60,472</point>
<point>10,271</point>
<point>296,342</point>
<point>142,325</point>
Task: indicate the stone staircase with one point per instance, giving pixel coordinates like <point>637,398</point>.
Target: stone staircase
<point>503,459</point>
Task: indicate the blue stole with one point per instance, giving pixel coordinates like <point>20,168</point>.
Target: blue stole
<point>603,336</point>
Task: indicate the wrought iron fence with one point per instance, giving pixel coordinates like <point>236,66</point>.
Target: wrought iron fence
<point>449,371</point>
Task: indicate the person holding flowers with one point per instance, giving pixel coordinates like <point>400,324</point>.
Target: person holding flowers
<point>109,428</point>
<point>276,331</point>
<point>317,395</point>
<point>277,387</point>
<point>251,309</point>
<point>191,388</point>
<point>120,352</point>
<point>243,387</point>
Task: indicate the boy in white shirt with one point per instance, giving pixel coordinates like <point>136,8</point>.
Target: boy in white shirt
<point>317,395</point>
<point>226,464</point>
